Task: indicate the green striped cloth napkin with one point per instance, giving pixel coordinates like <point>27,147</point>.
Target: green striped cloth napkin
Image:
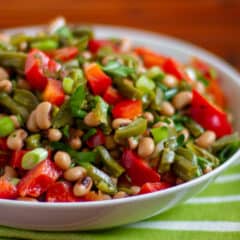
<point>213,214</point>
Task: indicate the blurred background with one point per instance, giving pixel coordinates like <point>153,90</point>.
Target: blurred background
<point>211,24</point>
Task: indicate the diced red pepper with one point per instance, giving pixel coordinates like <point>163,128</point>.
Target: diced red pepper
<point>16,160</point>
<point>175,68</point>
<point>7,189</point>
<point>64,54</point>
<point>53,92</point>
<point>3,160</point>
<point>3,144</point>
<point>200,66</point>
<point>95,44</point>
<point>127,109</point>
<point>36,67</point>
<point>96,140</point>
<point>218,96</point>
<point>97,79</point>
<point>209,116</point>
<point>213,88</point>
<point>39,179</point>
<point>138,170</point>
<point>153,187</point>
<point>149,57</point>
<point>112,96</point>
<point>61,192</point>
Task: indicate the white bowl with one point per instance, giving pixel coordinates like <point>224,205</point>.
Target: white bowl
<point>106,214</point>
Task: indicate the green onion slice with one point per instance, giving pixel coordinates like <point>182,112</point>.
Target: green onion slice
<point>34,157</point>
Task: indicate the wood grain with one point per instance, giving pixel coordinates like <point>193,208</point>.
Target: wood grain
<point>212,24</point>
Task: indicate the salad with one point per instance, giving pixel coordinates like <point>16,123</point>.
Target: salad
<point>88,119</point>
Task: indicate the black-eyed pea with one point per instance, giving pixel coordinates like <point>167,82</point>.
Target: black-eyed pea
<point>3,74</point>
<point>207,169</point>
<point>32,123</point>
<point>54,135</point>
<point>82,187</point>
<point>148,116</point>
<point>167,109</point>
<point>120,122</point>
<point>15,121</point>
<point>160,124</point>
<point>10,172</point>
<point>62,160</point>
<point>103,196</point>
<point>55,24</point>
<point>75,143</point>
<point>43,111</point>
<point>15,140</point>
<point>91,120</point>
<point>120,194</point>
<point>125,45</point>
<point>6,86</point>
<point>75,174</point>
<point>182,99</point>
<point>170,81</point>
<point>206,139</point>
<point>199,86</point>
<point>135,190</point>
<point>146,147</point>
<point>132,142</point>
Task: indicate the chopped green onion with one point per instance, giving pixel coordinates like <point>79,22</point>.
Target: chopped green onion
<point>155,72</point>
<point>6,126</point>
<point>146,84</point>
<point>34,157</point>
<point>159,133</point>
<point>68,85</point>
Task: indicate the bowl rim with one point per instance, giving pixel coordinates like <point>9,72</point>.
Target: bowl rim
<point>153,37</point>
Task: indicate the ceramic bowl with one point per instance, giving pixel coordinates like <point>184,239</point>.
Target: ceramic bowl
<point>107,214</point>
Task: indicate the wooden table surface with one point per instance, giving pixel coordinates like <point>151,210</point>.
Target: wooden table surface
<point>211,24</point>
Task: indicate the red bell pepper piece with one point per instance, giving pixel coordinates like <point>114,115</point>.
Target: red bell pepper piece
<point>175,68</point>
<point>112,96</point>
<point>16,160</point>
<point>213,87</point>
<point>149,57</point>
<point>96,140</point>
<point>153,187</point>
<point>209,115</point>
<point>97,79</point>
<point>218,96</point>
<point>36,67</point>
<point>53,92</point>
<point>39,179</point>
<point>95,44</point>
<point>64,54</point>
<point>61,192</point>
<point>3,144</point>
<point>7,189</point>
<point>127,109</point>
<point>138,170</point>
